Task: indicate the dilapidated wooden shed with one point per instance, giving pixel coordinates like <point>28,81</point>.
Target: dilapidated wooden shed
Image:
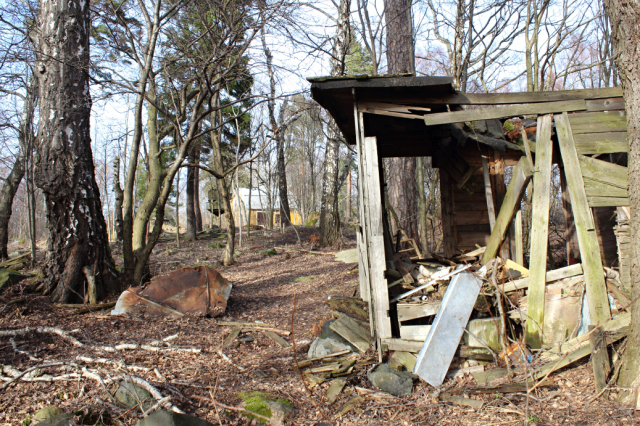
<point>582,131</point>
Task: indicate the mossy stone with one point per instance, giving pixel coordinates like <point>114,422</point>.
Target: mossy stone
<point>265,404</point>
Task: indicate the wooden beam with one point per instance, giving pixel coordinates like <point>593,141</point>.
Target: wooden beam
<point>599,357</point>
<point>585,227</point>
<point>521,175</point>
<point>608,104</point>
<point>488,193</point>
<point>528,97</point>
<point>593,188</point>
<point>379,291</point>
<point>503,112</point>
<point>539,233</point>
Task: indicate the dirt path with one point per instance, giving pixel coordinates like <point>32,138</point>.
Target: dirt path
<point>264,287</point>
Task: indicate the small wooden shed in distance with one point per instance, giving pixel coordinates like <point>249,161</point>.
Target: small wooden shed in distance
<point>582,131</point>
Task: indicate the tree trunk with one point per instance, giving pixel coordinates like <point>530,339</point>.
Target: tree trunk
<point>77,246</point>
<point>119,195</point>
<point>11,183</point>
<point>7,193</point>
<point>196,199</point>
<point>190,235</point>
<point>329,221</point>
<point>625,16</point>
<point>400,59</point>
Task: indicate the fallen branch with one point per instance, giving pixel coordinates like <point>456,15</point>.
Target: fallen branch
<point>226,358</point>
<point>321,253</point>
<point>21,374</point>
<point>42,330</point>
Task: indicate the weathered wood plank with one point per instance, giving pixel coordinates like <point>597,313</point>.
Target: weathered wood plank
<point>379,291</point>
<point>599,358</point>
<point>608,104</point>
<point>604,172</point>
<point>528,97</point>
<point>502,112</point>
<point>555,275</point>
<point>539,233</point>
<point>521,175</point>
<point>601,143</point>
<point>351,332</point>
<point>408,312</point>
<point>593,188</point>
<point>607,201</point>
<point>598,122</point>
<point>414,332</point>
<point>363,238</point>
<point>585,226</point>
<point>402,345</point>
<point>488,193</point>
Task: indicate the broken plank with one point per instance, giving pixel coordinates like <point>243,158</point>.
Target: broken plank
<point>473,403</point>
<point>461,98</point>
<point>351,332</point>
<point>503,112</point>
<point>408,312</point>
<point>555,275</point>
<point>585,226</point>
<point>601,143</point>
<point>402,345</point>
<point>231,337</point>
<point>402,358</point>
<point>486,377</point>
<point>521,175</point>
<point>277,339</point>
<point>539,233</point>
<point>334,390</point>
<point>599,358</point>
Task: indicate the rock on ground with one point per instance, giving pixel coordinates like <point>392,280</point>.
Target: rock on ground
<point>391,381</point>
<point>131,395</point>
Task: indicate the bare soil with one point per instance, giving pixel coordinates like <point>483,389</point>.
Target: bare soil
<point>264,290</point>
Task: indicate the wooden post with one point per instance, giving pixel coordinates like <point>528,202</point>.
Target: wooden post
<point>500,191</point>
<point>599,358</point>
<point>488,193</point>
<point>597,297</point>
<point>539,233</point>
<point>379,291</point>
<point>362,232</point>
<point>521,176</point>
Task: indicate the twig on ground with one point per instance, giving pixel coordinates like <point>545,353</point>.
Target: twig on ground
<point>232,408</point>
<point>42,330</point>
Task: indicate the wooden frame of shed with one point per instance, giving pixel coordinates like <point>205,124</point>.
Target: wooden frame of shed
<point>580,130</point>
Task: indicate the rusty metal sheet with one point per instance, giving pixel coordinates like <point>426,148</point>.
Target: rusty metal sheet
<point>196,291</point>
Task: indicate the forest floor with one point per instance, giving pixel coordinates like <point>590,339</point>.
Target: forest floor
<point>264,287</point>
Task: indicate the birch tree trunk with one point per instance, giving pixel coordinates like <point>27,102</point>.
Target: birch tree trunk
<point>329,220</point>
<point>400,59</point>
<point>625,15</point>
<point>190,235</point>
<point>77,246</point>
